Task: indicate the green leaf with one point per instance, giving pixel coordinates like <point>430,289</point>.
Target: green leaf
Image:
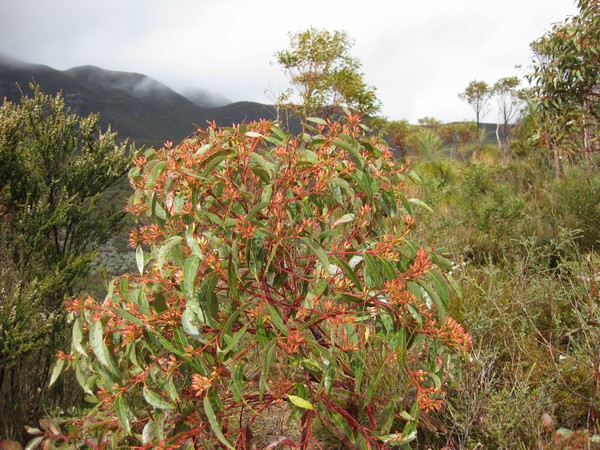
<point>352,150</point>
<point>318,251</point>
<point>212,419</point>
<point>350,273</point>
<point>232,342</point>
<point>139,259</point>
<point>439,304</point>
<point>398,438</point>
<point>344,219</point>
<point>165,250</point>
<point>122,413</point>
<point>317,120</point>
<point>214,160</point>
<point>78,337</point>
<point>180,339</point>
<point>266,365</point>
<point>262,162</point>
<point>276,319</point>
<point>236,382</point>
<point>300,402</point>
<point>156,400</point>
<point>156,171</point>
<point>372,275</point>
<point>128,316</point>
<point>421,203</point>
<point>253,134</point>
<point>159,303</point>
<point>187,319</point>
<point>34,443</point>
<point>455,286</point>
<point>439,283</point>
<point>414,177</point>
<point>97,342</point>
<point>192,242</point>
<point>58,367</point>
<point>190,271</point>
<point>166,343</point>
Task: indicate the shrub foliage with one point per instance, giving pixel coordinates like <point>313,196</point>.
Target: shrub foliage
<point>271,268</point>
<point>55,168</point>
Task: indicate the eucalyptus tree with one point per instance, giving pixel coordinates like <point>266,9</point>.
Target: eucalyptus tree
<point>324,76</point>
<point>478,95</point>
<point>566,91</point>
<point>510,102</point>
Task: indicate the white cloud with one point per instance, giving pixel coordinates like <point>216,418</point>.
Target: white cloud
<point>419,55</point>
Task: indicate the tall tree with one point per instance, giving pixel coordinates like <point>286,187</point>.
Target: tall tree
<point>566,78</point>
<point>478,95</point>
<point>54,168</point>
<point>324,76</point>
<point>510,101</point>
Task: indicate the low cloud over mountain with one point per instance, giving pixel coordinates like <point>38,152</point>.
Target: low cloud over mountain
<point>134,104</point>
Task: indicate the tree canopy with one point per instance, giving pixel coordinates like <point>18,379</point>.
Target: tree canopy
<point>324,75</point>
<point>478,95</point>
<point>566,78</point>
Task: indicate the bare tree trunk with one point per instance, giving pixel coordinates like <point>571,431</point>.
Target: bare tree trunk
<point>477,154</point>
<point>557,171</point>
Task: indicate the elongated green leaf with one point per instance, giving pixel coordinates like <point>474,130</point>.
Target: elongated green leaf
<point>372,274</point>
<point>421,203</point>
<point>190,271</point>
<point>97,342</point>
<point>58,367</point>
<point>156,400</point>
<point>350,273</point>
<point>262,162</point>
<point>439,284</point>
<point>128,316</point>
<point>300,402</point>
<point>156,171</point>
<point>180,339</point>
<point>34,443</point>
<point>266,365</point>
<point>254,211</point>
<point>344,219</point>
<point>439,304</point>
<point>235,339</point>
<point>78,337</point>
<point>350,148</point>
<point>317,120</point>
<point>139,259</point>
<point>164,251</point>
<point>212,419</point>
<point>455,286</point>
<point>139,297</point>
<point>81,378</point>
<point>187,321</point>
<point>318,251</point>
<point>122,413</point>
<point>166,343</point>
<point>277,319</point>
<point>236,382</point>
<point>214,160</point>
<point>192,242</point>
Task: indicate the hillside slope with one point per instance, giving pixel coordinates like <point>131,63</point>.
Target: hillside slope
<point>135,105</point>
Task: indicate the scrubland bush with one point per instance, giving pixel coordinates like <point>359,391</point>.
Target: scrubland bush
<point>277,284</point>
<point>530,301</point>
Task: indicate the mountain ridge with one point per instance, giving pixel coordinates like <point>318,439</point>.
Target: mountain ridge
<point>133,104</point>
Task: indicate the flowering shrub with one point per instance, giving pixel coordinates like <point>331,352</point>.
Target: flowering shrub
<point>271,267</point>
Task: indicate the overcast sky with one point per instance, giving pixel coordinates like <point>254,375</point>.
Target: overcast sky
<point>418,54</point>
